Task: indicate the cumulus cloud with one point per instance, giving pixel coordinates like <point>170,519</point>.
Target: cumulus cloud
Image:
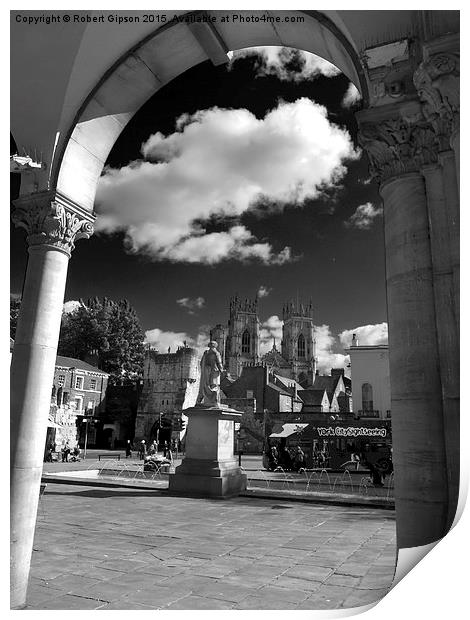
<point>191,304</point>
<point>263,291</point>
<point>162,340</point>
<point>286,63</point>
<point>220,163</point>
<point>364,216</point>
<point>366,335</point>
<point>327,358</point>
<point>351,96</point>
<point>71,305</point>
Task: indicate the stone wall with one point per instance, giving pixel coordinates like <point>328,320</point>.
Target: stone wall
<point>171,384</point>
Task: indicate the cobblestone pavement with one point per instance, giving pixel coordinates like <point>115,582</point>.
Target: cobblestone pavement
<point>101,548</point>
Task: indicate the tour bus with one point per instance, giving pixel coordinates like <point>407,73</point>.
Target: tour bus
<point>355,444</point>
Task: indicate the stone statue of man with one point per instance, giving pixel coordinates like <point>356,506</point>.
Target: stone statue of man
<point>209,386</point>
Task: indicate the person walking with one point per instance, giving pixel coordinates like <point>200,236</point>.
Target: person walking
<point>65,452</point>
<point>142,450</point>
<point>128,449</point>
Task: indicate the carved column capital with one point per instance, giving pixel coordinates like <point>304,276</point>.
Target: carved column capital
<point>398,146</point>
<point>50,219</point>
<point>437,81</point>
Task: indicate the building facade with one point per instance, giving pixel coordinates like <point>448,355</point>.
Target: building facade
<point>370,374</point>
<point>170,385</point>
<point>78,395</point>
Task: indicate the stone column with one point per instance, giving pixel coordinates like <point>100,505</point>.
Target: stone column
<point>443,238</point>
<point>398,147</point>
<point>438,86</point>
<point>52,224</point>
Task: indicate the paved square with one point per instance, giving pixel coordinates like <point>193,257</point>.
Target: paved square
<point>117,548</point>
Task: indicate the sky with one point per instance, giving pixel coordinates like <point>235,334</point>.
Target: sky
<point>243,178</point>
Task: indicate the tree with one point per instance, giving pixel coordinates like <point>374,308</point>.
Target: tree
<point>15,303</point>
<point>109,330</point>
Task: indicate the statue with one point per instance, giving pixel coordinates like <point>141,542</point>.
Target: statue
<point>209,386</point>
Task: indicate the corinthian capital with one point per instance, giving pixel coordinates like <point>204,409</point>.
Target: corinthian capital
<point>398,146</point>
<point>437,81</point>
<point>51,219</point>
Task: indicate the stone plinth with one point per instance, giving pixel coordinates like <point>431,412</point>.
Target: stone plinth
<point>209,467</point>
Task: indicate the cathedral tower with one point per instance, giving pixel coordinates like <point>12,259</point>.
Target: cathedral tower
<point>298,341</point>
<point>242,342</point>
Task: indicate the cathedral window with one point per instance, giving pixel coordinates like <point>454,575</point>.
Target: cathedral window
<point>301,347</point>
<point>246,341</point>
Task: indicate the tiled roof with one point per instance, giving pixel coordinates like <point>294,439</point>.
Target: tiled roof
<point>289,383</point>
<point>312,397</point>
<point>71,362</point>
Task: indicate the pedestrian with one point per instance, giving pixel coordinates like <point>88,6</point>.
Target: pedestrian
<point>65,452</point>
<point>286,459</point>
<point>142,450</point>
<point>152,448</point>
<point>299,459</point>
<point>166,450</point>
<point>128,449</point>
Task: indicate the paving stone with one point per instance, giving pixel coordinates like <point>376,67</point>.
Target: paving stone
<point>364,597</point>
<point>72,584</point>
<point>277,594</point>
<point>225,591</point>
<point>297,584</point>
<point>69,601</point>
<point>126,604</point>
<point>312,573</point>
<point>326,597</point>
<point>254,602</point>
<point>199,602</point>
<point>342,580</point>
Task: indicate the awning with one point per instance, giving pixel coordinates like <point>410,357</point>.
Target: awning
<point>289,429</point>
<point>51,424</point>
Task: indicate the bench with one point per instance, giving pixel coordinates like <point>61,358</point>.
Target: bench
<point>110,456</point>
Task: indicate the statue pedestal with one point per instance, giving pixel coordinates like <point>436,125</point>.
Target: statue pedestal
<point>209,467</point>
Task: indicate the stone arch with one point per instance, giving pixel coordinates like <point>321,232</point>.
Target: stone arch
<point>155,61</point>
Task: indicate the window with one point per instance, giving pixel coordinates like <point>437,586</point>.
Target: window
<point>246,342</point>
<point>249,394</point>
<point>92,384</point>
<point>78,383</point>
<point>301,346</point>
<point>367,397</point>
<point>61,380</point>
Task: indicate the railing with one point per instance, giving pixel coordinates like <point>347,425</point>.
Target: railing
<point>373,413</point>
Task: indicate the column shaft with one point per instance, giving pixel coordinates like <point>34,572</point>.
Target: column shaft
<point>32,374</point>
<point>417,424</point>
<point>441,228</point>
<point>452,206</point>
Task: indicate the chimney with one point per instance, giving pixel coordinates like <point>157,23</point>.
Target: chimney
<point>355,341</point>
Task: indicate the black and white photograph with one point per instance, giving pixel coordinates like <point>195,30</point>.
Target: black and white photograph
<point>234,306</point>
